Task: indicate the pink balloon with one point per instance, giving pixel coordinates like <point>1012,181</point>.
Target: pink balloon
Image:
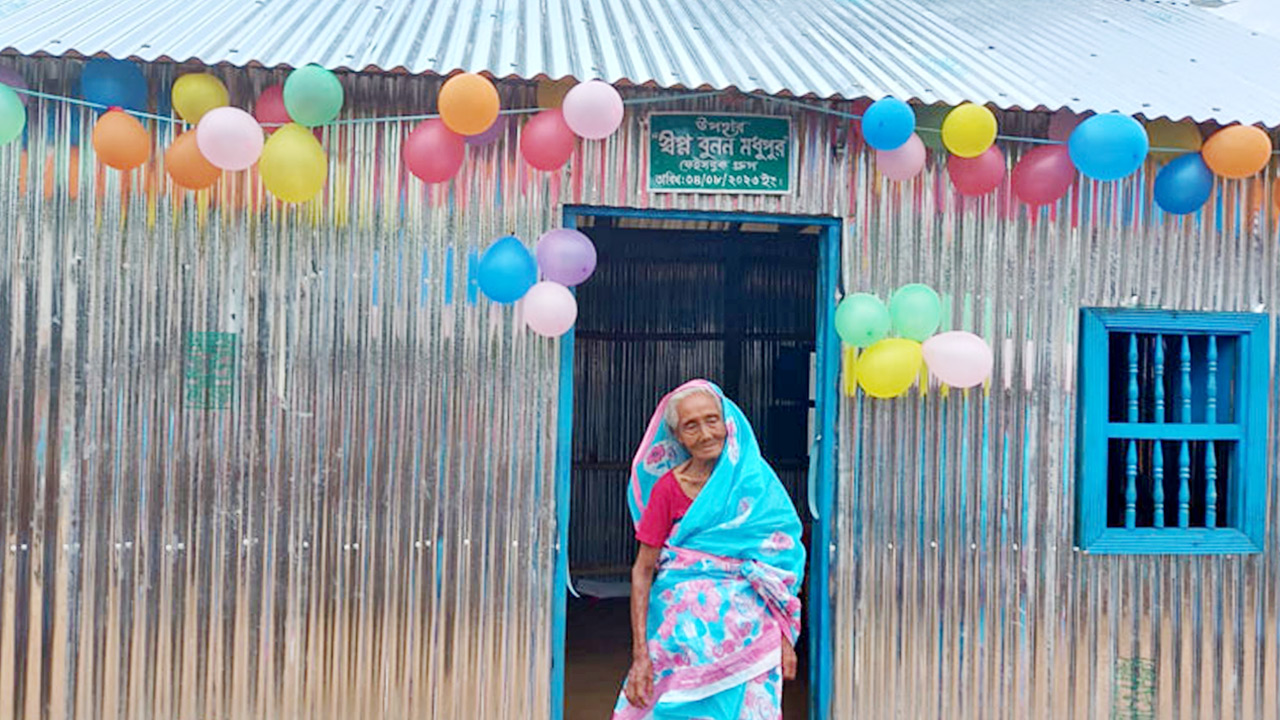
<point>546,141</point>
<point>978,175</point>
<point>959,359</point>
<point>14,79</point>
<point>270,110</point>
<point>1043,175</point>
<point>902,163</point>
<point>433,152</point>
<point>229,138</point>
<point>593,109</point>
<point>1062,124</point>
<point>549,309</point>
<point>491,135</point>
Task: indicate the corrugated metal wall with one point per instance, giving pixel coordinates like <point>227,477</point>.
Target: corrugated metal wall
<point>959,591</point>
<point>368,530</point>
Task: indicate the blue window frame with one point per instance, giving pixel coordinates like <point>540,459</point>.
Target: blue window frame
<point>1173,432</point>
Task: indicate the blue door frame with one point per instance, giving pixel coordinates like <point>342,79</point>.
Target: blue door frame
<point>822,458</point>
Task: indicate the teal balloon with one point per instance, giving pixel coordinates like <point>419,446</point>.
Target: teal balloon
<point>13,116</point>
<point>862,320</point>
<point>916,311</point>
<point>312,96</point>
<point>507,270</point>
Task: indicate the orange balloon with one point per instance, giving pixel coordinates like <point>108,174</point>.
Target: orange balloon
<point>187,166</point>
<point>120,140</point>
<point>468,104</point>
<point>1238,151</point>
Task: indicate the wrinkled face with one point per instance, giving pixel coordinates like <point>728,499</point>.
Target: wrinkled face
<point>701,426</point>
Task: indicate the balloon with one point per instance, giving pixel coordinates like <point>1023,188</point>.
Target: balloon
<point>507,270</point>
<point>1043,175</point>
<point>862,320</point>
<point>490,136</point>
<point>959,359</point>
<point>120,141</point>
<point>593,110</point>
<point>1062,124</point>
<point>186,166</point>
<point>566,256</point>
<point>977,176</point>
<point>1108,147</point>
<point>230,138</point>
<point>114,83</point>
<point>433,152</point>
<point>888,368</point>
<point>313,96</point>
<point>14,79</point>
<point>13,116</point>
<point>546,141</point>
<point>888,123</point>
<point>196,94</point>
<point>916,311</point>
<point>468,104</point>
<point>929,121</point>
<point>550,94</point>
<point>293,166</point>
<point>270,110</point>
<point>1169,138</point>
<point>902,163</point>
<point>1237,151</point>
<point>1184,185</point>
<point>969,130</point>
<point>550,309</point>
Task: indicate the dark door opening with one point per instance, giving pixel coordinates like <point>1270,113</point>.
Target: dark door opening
<point>673,300</point>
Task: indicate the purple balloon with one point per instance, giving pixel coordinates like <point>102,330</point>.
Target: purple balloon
<point>566,256</point>
<point>14,79</point>
<point>491,135</point>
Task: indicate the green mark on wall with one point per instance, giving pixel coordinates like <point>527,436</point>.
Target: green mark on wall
<point>1134,689</point>
<point>211,370</point>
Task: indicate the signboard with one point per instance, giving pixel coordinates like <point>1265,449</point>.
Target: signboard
<point>702,153</point>
<point>210,370</point>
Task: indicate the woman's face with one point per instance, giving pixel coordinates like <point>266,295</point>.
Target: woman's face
<point>701,427</point>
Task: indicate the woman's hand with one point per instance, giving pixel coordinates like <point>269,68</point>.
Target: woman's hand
<point>788,660</point>
<point>639,688</point>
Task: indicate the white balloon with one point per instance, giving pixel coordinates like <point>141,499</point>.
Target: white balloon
<point>549,309</point>
<point>959,359</point>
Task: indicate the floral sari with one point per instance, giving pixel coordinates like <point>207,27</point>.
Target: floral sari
<point>725,593</point>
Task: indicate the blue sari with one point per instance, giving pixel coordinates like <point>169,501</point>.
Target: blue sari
<point>725,593</point>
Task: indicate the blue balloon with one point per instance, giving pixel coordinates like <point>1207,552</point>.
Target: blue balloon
<point>1184,185</point>
<point>114,83</point>
<point>888,124</point>
<point>507,270</point>
<point>1108,147</point>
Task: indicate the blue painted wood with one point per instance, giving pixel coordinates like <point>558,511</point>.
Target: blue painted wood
<point>1184,455</point>
<point>1173,541</point>
<point>1093,369</point>
<point>1133,378</point>
<point>1131,454</point>
<point>1176,431</point>
<point>1157,453</point>
<point>1185,374</point>
<point>1210,455</point>
<point>1254,374</point>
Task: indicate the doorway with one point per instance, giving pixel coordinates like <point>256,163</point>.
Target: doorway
<point>733,299</point>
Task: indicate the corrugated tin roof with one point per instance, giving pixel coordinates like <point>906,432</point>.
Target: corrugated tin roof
<point>1151,57</point>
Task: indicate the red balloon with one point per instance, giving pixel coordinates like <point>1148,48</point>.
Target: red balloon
<point>1043,175</point>
<point>433,152</point>
<point>977,175</point>
<point>546,142</point>
<point>270,111</point>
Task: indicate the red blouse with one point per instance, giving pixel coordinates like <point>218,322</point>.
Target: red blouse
<point>667,505</point>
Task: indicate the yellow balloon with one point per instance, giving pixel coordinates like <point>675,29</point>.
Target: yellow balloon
<point>969,130</point>
<point>293,166</point>
<point>1171,138</point>
<point>551,92</point>
<point>888,368</point>
<point>196,94</point>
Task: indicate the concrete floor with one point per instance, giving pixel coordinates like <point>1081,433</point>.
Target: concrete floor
<point>597,656</point>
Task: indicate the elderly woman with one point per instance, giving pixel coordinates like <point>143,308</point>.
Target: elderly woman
<point>714,632</point>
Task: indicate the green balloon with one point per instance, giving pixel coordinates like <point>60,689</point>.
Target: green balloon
<point>862,320</point>
<point>313,96</point>
<point>929,125</point>
<point>13,116</point>
<point>916,311</point>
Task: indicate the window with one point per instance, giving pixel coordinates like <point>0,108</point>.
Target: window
<point>1173,431</point>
